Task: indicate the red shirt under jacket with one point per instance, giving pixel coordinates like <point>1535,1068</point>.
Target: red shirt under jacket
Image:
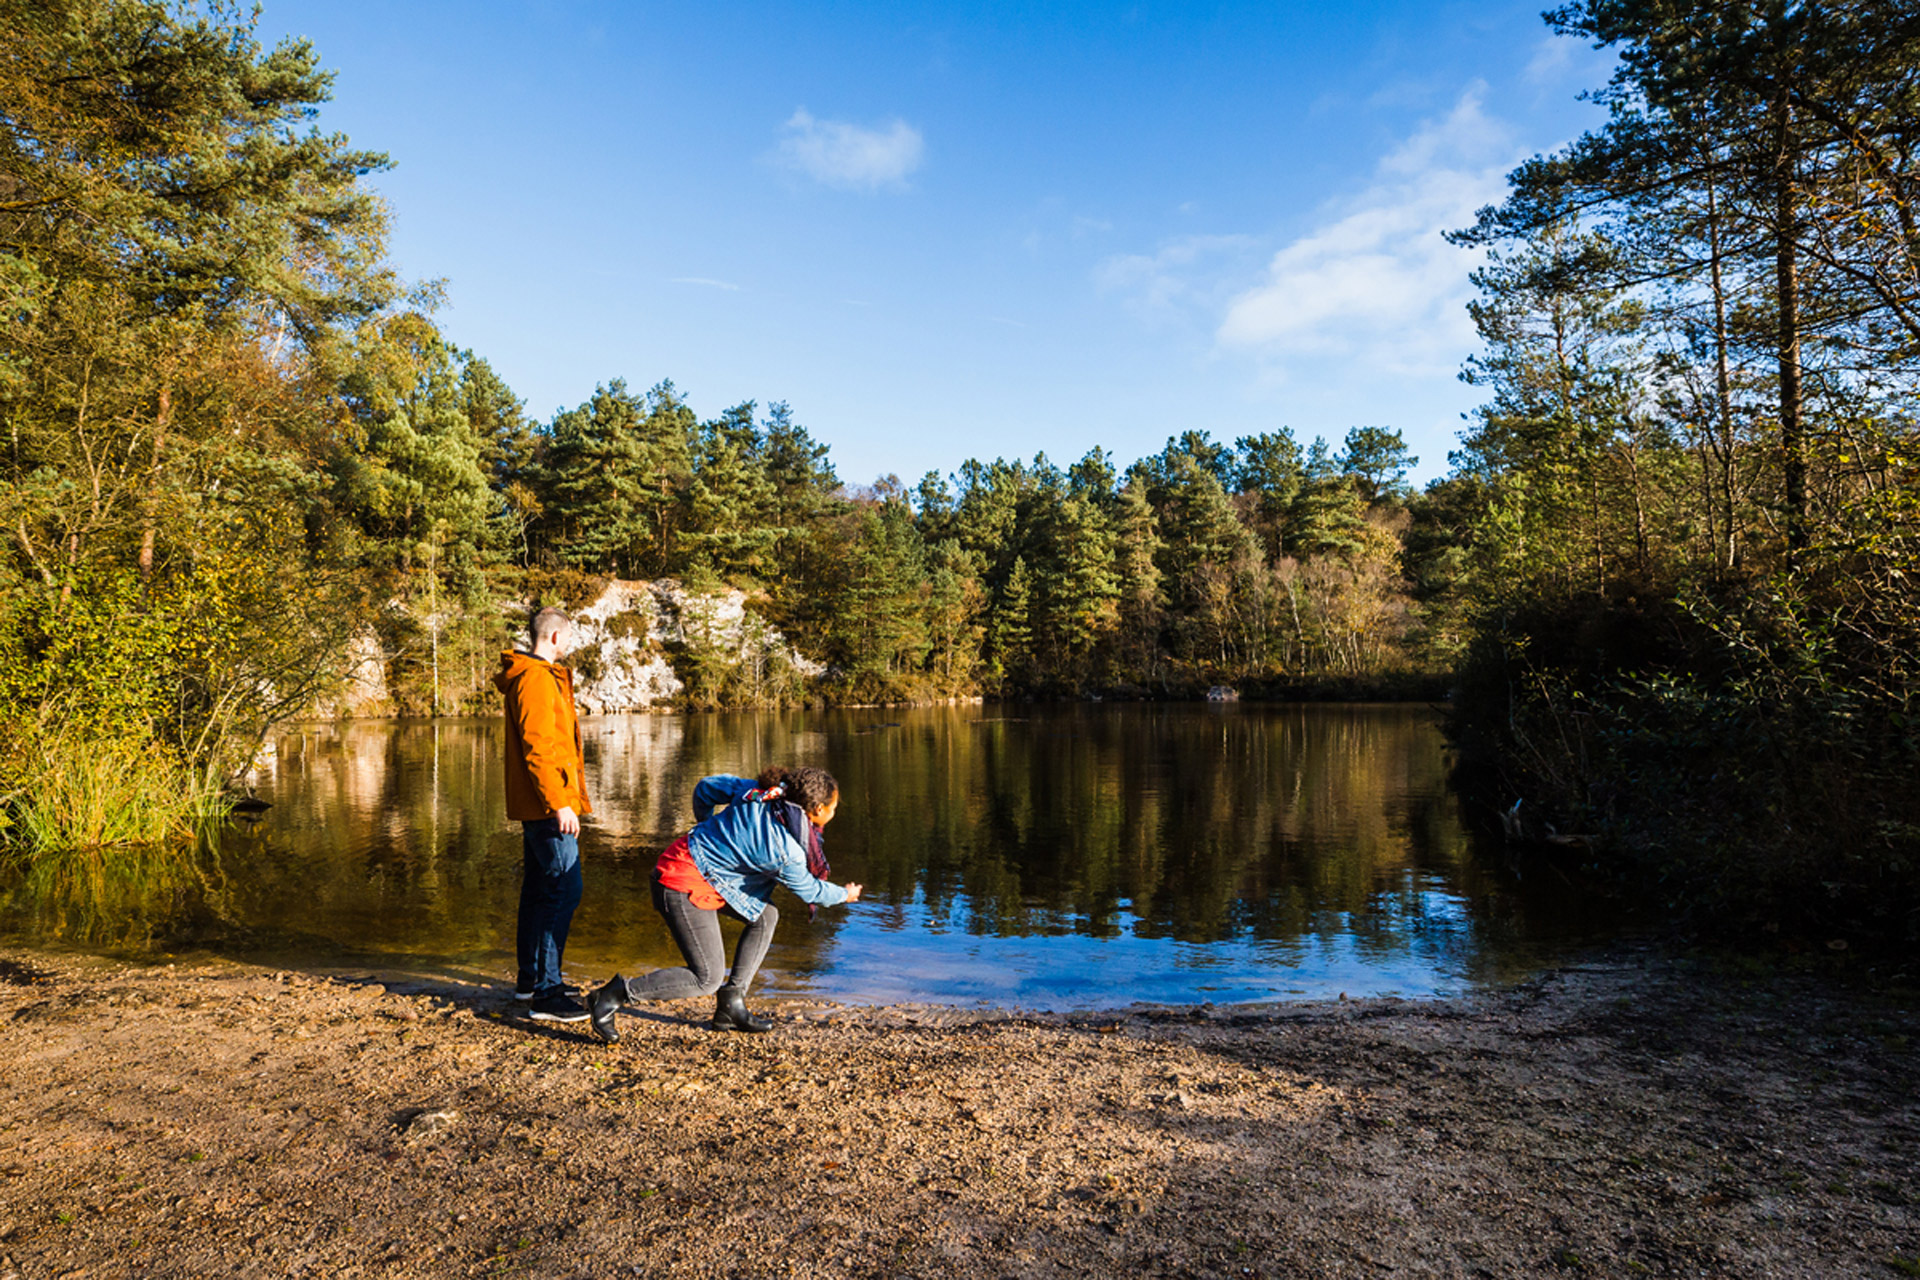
<point>676,871</point>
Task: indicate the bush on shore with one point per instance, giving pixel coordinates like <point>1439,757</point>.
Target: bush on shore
<point>1743,770</point>
<point>65,792</point>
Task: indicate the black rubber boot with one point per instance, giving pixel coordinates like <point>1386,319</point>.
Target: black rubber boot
<point>730,1012</point>
<point>604,1005</point>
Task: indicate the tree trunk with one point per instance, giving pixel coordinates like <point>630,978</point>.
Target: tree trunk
<point>1723,379</point>
<point>162,416</point>
<point>1793,460</point>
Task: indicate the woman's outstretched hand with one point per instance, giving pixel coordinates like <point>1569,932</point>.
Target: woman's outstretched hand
<point>853,893</point>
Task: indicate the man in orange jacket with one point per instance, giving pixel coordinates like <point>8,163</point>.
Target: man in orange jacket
<point>546,794</point>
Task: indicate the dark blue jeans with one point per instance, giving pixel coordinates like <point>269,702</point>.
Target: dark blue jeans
<point>550,888</point>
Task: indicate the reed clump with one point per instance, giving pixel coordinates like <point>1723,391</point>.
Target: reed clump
<point>102,835</point>
<point>67,793</point>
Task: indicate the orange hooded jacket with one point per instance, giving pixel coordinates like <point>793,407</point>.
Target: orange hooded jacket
<point>545,765</point>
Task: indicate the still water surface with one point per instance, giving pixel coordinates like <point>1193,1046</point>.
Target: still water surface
<point>1049,857</point>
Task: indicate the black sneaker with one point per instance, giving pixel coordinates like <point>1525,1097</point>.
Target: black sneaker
<point>524,991</point>
<point>558,1007</point>
<point>606,1003</point>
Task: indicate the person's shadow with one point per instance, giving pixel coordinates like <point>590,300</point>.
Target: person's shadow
<point>488,1001</point>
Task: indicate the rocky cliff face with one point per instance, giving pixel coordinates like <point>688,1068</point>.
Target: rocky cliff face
<point>619,658</point>
<point>363,692</point>
<point>643,645</point>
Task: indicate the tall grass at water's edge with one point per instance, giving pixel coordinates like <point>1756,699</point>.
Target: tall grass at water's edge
<point>70,794</point>
<point>98,835</point>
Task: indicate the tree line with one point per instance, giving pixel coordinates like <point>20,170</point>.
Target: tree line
<point>1670,572</point>
<point>1680,532</point>
<point>1202,564</point>
<point>234,438</point>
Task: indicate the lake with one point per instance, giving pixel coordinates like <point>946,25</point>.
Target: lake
<point>1046,856</point>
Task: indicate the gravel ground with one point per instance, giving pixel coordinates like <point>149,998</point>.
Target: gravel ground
<point>1638,1116</point>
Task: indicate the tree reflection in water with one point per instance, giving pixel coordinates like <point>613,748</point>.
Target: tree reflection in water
<point>1046,855</point>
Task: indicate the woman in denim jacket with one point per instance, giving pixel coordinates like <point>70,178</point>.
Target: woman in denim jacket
<point>768,834</point>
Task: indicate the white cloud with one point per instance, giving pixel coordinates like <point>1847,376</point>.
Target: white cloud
<point>1551,57</point>
<point>1375,283</point>
<point>1559,61</point>
<point>1188,273</point>
<point>838,154</point>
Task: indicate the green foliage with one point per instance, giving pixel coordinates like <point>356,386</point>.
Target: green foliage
<point>73,794</point>
<point>746,669</point>
<point>1378,460</point>
<point>93,662</point>
<point>158,150</point>
<point>237,455</point>
<point>567,588</point>
<point>1328,510</point>
<point>1010,635</point>
<point>407,463</point>
<point>179,258</point>
<point>1677,557</point>
<point>609,480</point>
<point>880,639</point>
<point>1272,471</point>
<point>729,499</point>
<point>1080,592</point>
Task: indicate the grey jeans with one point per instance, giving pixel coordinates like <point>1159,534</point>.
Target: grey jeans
<point>697,933</point>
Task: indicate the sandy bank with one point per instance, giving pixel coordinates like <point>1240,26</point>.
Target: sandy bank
<point>1643,1117</point>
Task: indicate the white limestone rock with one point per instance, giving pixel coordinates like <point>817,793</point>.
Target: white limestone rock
<point>624,642</point>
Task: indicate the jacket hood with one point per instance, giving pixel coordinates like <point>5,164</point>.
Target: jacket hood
<point>514,666</point>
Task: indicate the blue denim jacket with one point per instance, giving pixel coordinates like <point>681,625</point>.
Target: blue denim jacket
<point>743,851</point>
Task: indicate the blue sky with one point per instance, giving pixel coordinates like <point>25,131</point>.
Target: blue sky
<point>943,232</point>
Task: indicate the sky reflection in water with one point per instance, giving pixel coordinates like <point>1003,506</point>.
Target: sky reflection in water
<point>1046,857</point>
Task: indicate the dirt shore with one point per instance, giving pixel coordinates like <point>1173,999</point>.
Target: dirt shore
<point>1638,1116</point>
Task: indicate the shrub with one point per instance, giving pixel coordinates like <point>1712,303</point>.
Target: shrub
<point>66,792</point>
<point>1753,781</point>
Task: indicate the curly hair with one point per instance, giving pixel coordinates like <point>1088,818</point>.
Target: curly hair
<point>805,785</point>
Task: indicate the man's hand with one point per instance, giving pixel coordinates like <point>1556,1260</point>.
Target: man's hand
<point>853,893</point>
<point>569,820</point>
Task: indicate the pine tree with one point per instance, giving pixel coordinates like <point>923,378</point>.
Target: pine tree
<point>407,466</point>
<point>955,603</point>
<point>804,493</point>
<point>730,503</point>
<point>1327,511</point>
<point>1010,633</point>
<point>1076,589</point>
<point>614,470</point>
<point>1141,604</point>
<point>1094,478</point>
<point>880,622</point>
<point>1205,551</point>
<point>1378,459</point>
<point>1561,363</point>
<point>592,489</point>
<point>1269,469</point>
<point>1756,177</point>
